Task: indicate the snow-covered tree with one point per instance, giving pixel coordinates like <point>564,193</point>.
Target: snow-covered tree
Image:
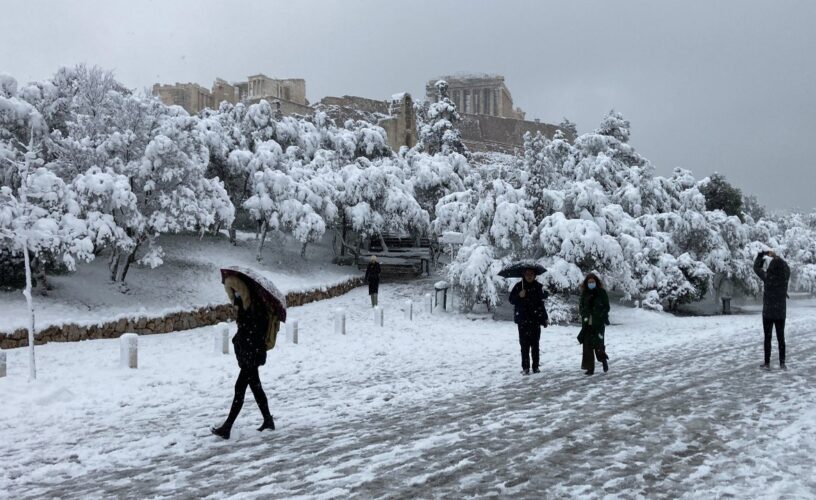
<point>438,132</point>
<point>540,174</point>
<point>498,228</point>
<point>798,242</point>
<point>435,176</point>
<point>377,199</point>
<point>287,198</point>
<point>37,215</point>
<point>575,247</point>
<point>721,195</point>
<point>753,208</point>
<point>568,128</point>
<point>172,192</point>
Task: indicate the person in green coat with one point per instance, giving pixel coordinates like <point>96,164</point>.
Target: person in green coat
<point>594,310</point>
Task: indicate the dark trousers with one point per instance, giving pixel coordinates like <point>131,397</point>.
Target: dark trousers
<point>529,335</point>
<point>247,377</point>
<point>767,326</point>
<point>589,355</point>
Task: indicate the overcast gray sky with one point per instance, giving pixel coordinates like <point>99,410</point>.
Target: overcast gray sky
<point>727,86</point>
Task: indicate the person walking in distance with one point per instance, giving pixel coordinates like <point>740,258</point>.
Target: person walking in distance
<point>594,310</point>
<point>774,301</point>
<point>372,277</point>
<point>530,314</point>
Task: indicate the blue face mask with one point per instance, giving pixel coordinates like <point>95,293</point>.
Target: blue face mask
<point>591,285</point>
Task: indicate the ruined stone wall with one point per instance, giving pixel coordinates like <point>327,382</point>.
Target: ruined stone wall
<point>223,91</point>
<point>190,96</point>
<point>492,133</point>
<point>296,90</point>
<point>172,322</point>
<point>357,103</point>
<point>288,108</point>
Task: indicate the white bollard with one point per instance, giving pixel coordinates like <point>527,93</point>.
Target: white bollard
<point>340,321</point>
<point>292,330</point>
<point>429,303</point>
<point>2,364</point>
<point>221,339</point>
<point>378,316</point>
<point>409,310</point>
<point>129,350</point>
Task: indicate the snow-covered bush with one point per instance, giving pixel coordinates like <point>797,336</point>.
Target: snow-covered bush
<point>474,275</point>
<point>652,301</point>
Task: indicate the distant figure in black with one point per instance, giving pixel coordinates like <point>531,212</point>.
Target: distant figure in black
<point>530,315</point>
<point>372,277</point>
<point>594,310</point>
<point>774,302</point>
<point>250,351</point>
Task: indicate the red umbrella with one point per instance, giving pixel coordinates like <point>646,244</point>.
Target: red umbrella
<point>263,288</point>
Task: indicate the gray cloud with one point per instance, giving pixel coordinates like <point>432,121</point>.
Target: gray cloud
<point>726,86</point>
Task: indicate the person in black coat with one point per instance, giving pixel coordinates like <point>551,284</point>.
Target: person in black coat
<point>249,344</point>
<point>774,302</point>
<point>530,314</point>
<point>594,310</point>
<point>372,277</point>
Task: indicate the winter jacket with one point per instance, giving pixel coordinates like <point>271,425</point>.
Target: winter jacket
<point>250,340</point>
<point>594,310</point>
<point>775,281</point>
<point>372,277</point>
<point>529,310</point>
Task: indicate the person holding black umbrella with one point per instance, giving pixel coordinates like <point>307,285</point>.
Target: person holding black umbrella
<point>530,314</point>
<point>250,294</point>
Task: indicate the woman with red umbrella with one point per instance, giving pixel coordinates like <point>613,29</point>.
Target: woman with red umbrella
<point>251,341</point>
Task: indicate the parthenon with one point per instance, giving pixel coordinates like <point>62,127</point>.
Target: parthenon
<point>478,94</point>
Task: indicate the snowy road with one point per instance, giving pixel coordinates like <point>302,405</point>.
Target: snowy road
<point>682,413</point>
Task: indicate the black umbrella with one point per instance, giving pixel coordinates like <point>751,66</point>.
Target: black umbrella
<point>264,288</point>
<point>516,269</point>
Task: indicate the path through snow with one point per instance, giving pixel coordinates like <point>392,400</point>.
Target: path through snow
<point>435,410</point>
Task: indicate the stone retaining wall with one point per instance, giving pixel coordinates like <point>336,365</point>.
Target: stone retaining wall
<point>182,320</point>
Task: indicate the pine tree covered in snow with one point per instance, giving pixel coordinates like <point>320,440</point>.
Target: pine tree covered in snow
<point>438,132</point>
<point>721,195</point>
<point>753,208</point>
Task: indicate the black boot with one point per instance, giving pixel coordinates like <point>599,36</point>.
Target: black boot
<point>268,423</point>
<point>223,432</point>
<point>605,364</point>
<point>589,372</point>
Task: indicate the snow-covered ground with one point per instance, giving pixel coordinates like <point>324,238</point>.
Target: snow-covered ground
<point>430,408</point>
<point>188,279</point>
